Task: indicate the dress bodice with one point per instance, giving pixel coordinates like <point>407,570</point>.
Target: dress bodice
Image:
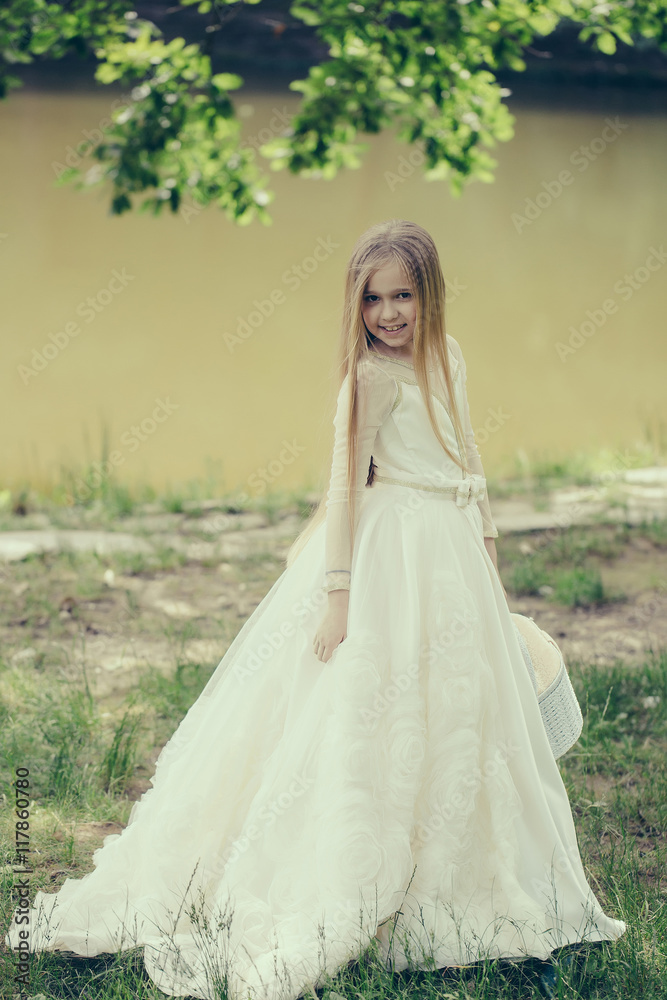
<point>406,446</point>
<point>394,431</point>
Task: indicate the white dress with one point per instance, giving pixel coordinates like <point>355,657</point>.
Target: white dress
<point>405,790</point>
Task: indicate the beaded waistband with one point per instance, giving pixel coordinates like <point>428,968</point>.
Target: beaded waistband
<point>464,491</point>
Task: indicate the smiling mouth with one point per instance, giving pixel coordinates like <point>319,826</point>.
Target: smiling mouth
<point>392,329</point>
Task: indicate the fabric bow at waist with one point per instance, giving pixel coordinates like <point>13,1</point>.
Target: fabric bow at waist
<point>468,490</point>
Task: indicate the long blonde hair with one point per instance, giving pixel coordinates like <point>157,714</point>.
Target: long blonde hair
<point>412,248</point>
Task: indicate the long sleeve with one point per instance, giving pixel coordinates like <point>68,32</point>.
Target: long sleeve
<point>473,456</point>
<point>376,395</point>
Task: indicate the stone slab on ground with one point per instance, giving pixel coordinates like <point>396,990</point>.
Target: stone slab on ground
<point>17,545</point>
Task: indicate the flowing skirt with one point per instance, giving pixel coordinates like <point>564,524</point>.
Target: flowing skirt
<point>404,791</point>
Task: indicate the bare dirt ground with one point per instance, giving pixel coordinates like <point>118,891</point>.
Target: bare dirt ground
<point>184,592</point>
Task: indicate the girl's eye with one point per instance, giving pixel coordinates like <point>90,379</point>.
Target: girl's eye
<point>371,298</point>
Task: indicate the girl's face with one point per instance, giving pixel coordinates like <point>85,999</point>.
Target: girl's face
<point>388,307</point>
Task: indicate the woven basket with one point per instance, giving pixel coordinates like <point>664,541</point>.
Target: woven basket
<point>558,703</point>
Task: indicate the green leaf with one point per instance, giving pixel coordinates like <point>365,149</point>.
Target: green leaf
<point>107,73</point>
<point>305,14</point>
<point>226,81</point>
<point>623,35</point>
<point>606,43</point>
<point>121,203</point>
<point>516,63</point>
<point>377,74</point>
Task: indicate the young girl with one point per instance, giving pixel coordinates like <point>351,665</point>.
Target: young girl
<point>368,763</point>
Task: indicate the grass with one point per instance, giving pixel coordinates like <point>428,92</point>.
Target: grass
<point>655,532</point>
<point>172,696</point>
<point>579,587</point>
<point>82,764</point>
<point>120,759</point>
<point>575,582</point>
<point>566,565</point>
<point>539,473</point>
<point>55,723</point>
<point>110,504</point>
<point>108,500</point>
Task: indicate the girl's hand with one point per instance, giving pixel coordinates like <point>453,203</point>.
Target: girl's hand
<point>333,627</point>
